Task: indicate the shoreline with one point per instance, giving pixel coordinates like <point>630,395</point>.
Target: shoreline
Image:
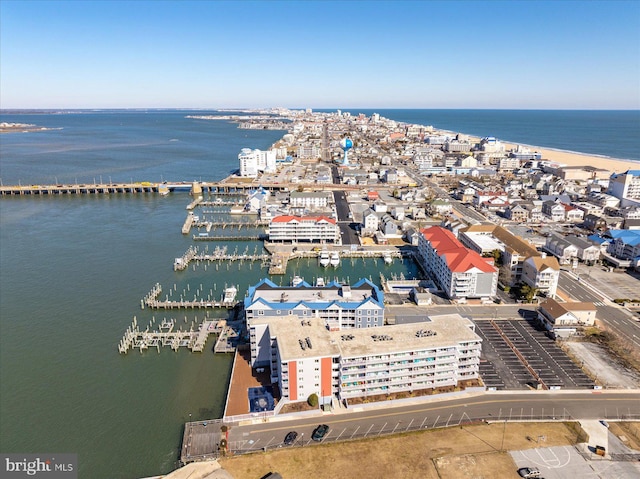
<point>565,157</point>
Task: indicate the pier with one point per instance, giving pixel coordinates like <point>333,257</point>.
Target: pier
<point>194,339</point>
<point>92,189</point>
<point>218,254</point>
<point>227,300</point>
<point>206,237</point>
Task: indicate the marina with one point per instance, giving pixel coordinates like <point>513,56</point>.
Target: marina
<point>194,339</point>
<point>227,300</point>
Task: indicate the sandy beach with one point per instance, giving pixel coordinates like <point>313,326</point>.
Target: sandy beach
<point>569,158</point>
<point>582,159</point>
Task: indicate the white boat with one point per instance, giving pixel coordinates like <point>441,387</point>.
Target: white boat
<point>334,259</point>
<point>387,258</point>
<point>324,259</point>
<point>230,295</point>
<point>320,283</point>
<point>297,280</point>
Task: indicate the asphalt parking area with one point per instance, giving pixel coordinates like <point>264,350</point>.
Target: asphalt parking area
<point>510,346</point>
<point>500,367</point>
<point>566,462</point>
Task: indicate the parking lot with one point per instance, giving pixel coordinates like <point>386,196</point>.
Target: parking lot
<point>566,462</point>
<point>509,346</point>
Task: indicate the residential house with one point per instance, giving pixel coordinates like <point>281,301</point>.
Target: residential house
<point>542,273</point>
<point>564,319</point>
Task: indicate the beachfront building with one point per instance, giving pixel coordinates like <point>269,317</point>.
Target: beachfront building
<point>459,271</point>
<point>338,306</point>
<point>626,187</point>
<point>253,162</point>
<point>310,229</point>
<point>564,319</point>
<point>306,358</point>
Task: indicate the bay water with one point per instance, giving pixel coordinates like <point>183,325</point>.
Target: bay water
<point>74,269</point>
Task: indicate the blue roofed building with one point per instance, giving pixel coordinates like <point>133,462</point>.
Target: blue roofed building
<point>338,306</point>
<point>624,248</point>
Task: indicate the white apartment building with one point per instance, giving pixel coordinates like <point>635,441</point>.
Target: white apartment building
<point>626,187</point>
<point>312,229</point>
<point>310,199</point>
<point>254,161</point>
<point>542,273</point>
<point>306,358</point>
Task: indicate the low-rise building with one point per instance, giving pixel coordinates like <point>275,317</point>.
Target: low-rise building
<point>312,229</point>
<point>310,199</point>
<point>542,273</point>
<point>564,319</point>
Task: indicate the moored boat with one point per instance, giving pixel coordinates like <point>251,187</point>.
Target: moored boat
<point>334,259</point>
<point>324,259</point>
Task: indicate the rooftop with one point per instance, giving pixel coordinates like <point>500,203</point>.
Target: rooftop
<point>436,332</point>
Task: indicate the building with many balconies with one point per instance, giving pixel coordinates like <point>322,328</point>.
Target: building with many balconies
<point>306,358</point>
<point>459,271</point>
<point>311,229</point>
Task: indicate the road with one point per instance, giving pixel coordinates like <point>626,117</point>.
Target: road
<point>620,320</point>
<point>534,405</point>
<point>347,227</point>
<point>461,209</point>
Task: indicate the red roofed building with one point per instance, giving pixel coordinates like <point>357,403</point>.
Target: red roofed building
<point>459,271</point>
<point>311,229</point>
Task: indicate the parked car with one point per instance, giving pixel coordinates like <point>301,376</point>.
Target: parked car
<point>529,472</point>
<point>320,432</point>
<point>290,438</point>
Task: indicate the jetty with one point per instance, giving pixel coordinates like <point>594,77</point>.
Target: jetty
<point>194,339</point>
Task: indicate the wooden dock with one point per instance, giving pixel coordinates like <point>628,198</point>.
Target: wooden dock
<point>218,255</point>
<point>151,301</point>
<point>195,338</point>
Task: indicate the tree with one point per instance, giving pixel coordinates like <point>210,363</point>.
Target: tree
<point>527,292</point>
<point>313,400</point>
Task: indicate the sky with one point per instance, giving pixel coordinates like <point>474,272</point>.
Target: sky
<point>320,54</point>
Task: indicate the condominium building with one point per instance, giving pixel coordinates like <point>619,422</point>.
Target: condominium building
<point>310,199</point>
<point>306,358</point>
<point>312,229</point>
<point>254,161</point>
<point>459,271</point>
<point>338,306</point>
<point>626,187</point>
<point>484,239</point>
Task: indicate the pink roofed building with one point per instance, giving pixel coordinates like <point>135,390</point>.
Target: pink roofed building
<point>460,272</point>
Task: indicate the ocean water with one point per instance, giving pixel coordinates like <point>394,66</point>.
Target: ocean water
<point>614,134</point>
<point>74,269</point>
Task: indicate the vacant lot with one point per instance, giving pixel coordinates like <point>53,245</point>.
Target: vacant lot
<point>474,451</point>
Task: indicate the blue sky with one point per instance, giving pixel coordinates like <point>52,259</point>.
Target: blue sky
<point>325,54</point>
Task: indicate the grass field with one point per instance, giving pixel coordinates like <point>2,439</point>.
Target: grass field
<point>477,451</point>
